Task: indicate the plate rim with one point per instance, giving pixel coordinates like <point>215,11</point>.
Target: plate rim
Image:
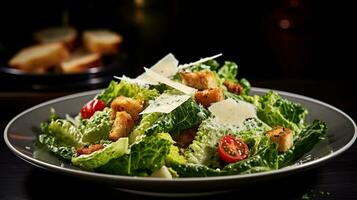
<point>82,173</point>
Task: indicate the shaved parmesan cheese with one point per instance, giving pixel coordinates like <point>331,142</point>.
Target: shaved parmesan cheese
<point>163,172</point>
<point>166,67</point>
<point>166,103</point>
<point>202,60</point>
<point>159,78</point>
<point>231,112</point>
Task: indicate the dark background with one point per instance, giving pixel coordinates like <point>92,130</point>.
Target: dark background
<point>316,45</point>
<point>301,46</point>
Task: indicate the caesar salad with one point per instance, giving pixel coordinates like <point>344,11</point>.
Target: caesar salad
<point>189,120</point>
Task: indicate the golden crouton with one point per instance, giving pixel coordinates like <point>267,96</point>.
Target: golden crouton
<point>122,125</point>
<point>200,80</point>
<point>235,88</point>
<point>209,96</point>
<point>90,149</point>
<point>131,106</point>
<point>282,136</point>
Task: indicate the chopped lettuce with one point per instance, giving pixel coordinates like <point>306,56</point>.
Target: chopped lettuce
<point>145,123</point>
<point>103,156</point>
<point>228,71</point>
<point>307,139</point>
<point>145,157</point>
<point>124,88</point>
<point>246,86</point>
<point>277,111</point>
<point>59,136</point>
<point>197,170</point>
<point>203,149</point>
<point>62,150</point>
<point>264,160</point>
<point>174,157</point>
<point>187,115</point>
<point>97,127</point>
<point>64,132</point>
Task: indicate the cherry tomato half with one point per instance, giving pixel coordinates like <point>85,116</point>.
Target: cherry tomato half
<point>232,150</point>
<point>91,107</point>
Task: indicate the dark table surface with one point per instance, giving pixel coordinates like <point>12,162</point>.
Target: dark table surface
<point>337,179</point>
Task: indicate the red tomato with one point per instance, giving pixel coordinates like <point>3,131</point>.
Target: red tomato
<point>232,150</point>
<point>91,107</point>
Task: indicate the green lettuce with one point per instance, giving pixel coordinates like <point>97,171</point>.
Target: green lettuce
<point>124,88</point>
<point>103,156</point>
<point>59,136</point>
<point>53,145</point>
<point>265,159</point>
<point>246,86</point>
<point>307,139</point>
<point>203,149</point>
<point>277,111</point>
<point>228,71</point>
<point>197,170</point>
<point>145,157</point>
<point>146,122</point>
<point>97,127</point>
<point>187,115</point>
<point>174,157</point>
<point>64,132</point>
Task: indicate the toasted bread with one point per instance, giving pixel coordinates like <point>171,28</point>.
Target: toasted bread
<point>200,80</point>
<point>65,35</point>
<point>282,136</point>
<point>34,58</point>
<point>79,63</point>
<point>102,41</point>
<point>209,96</point>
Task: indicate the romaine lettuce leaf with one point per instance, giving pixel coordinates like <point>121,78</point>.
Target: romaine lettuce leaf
<point>146,156</point>
<point>264,160</point>
<point>197,170</point>
<point>246,86</point>
<point>103,156</point>
<point>97,127</point>
<point>277,111</point>
<point>61,150</point>
<point>124,88</point>
<point>307,139</point>
<point>64,132</point>
<point>203,149</point>
<point>228,71</point>
<point>174,157</point>
<point>146,122</point>
<point>185,116</point>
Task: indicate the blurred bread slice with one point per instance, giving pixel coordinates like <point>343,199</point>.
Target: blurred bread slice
<point>80,63</point>
<point>65,35</point>
<point>102,41</point>
<point>43,56</point>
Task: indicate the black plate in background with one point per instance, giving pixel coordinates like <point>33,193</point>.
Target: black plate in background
<point>97,77</point>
